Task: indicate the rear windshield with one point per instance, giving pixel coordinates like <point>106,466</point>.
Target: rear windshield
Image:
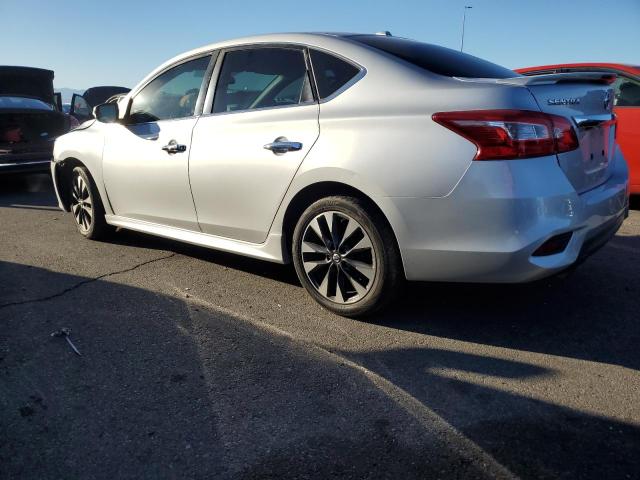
<point>436,59</point>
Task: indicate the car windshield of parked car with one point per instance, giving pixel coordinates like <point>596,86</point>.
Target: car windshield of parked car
<point>436,59</point>
<point>262,78</point>
<point>627,92</point>
<point>23,103</point>
<point>171,95</point>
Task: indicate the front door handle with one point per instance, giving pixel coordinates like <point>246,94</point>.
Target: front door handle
<point>281,145</point>
<point>174,147</point>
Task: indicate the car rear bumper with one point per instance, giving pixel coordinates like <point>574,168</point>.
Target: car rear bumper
<point>31,166</point>
<point>500,213</point>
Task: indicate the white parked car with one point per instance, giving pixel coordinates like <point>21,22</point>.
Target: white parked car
<point>364,159</point>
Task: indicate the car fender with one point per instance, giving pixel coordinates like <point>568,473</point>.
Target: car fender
<point>85,146</point>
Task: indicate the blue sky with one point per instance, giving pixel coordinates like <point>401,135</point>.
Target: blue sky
<point>117,42</point>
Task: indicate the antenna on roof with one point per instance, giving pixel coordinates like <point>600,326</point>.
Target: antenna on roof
<point>386,33</point>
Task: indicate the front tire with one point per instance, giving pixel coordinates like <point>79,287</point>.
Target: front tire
<point>86,205</point>
<point>346,256</point>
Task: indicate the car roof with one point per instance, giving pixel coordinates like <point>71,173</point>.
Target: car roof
<point>292,37</point>
<point>632,69</point>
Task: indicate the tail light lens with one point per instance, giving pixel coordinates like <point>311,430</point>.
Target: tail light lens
<point>511,134</point>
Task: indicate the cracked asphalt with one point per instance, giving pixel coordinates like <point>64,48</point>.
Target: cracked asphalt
<point>198,364</point>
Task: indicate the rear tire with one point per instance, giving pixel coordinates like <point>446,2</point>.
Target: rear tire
<point>346,256</point>
<point>86,205</point>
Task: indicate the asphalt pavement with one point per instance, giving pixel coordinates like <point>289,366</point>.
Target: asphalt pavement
<point>199,364</point>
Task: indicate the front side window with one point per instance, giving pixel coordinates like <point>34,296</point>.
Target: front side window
<point>626,92</point>
<point>331,72</point>
<point>170,95</point>
<point>262,78</point>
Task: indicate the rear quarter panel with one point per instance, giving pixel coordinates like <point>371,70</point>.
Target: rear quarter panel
<point>381,129</point>
<point>378,136</point>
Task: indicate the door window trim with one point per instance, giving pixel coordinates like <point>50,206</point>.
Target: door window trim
<point>213,56</point>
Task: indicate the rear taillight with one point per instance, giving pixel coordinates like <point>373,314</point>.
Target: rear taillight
<point>511,134</point>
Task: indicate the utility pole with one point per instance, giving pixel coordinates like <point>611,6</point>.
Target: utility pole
<point>464,18</point>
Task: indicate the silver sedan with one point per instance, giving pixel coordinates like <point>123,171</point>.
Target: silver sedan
<point>366,160</point>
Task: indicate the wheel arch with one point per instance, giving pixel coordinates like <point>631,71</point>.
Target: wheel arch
<point>62,177</point>
<point>314,192</point>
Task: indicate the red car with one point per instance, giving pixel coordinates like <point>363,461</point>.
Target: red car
<point>626,106</point>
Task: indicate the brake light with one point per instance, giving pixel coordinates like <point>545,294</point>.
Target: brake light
<point>511,134</point>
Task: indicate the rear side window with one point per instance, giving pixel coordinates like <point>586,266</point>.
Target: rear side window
<point>331,72</point>
<point>436,59</point>
<point>262,78</point>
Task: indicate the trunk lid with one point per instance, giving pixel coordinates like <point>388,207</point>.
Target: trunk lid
<point>587,99</point>
<point>27,82</point>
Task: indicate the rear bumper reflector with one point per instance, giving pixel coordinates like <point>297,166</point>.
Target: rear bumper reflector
<point>555,244</point>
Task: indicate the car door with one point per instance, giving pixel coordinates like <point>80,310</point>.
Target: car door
<point>80,109</point>
<point>627,109</point>
<point>145,159</point>
<point>57,97</point>
<point>260,123</point>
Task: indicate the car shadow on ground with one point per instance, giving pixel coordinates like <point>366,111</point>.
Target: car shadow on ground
<point>168,389</point>
<point>164,386</point>
<point>532,438</point>
<point>579,315</point>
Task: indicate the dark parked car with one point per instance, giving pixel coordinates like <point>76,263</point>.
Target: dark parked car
<point>29,119</point>
<point>82,105</point>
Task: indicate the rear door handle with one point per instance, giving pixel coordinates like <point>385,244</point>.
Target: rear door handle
<point>281,145</point>
<point>174,147</point>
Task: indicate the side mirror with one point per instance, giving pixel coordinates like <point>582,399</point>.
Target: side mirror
<point>106,112</point>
